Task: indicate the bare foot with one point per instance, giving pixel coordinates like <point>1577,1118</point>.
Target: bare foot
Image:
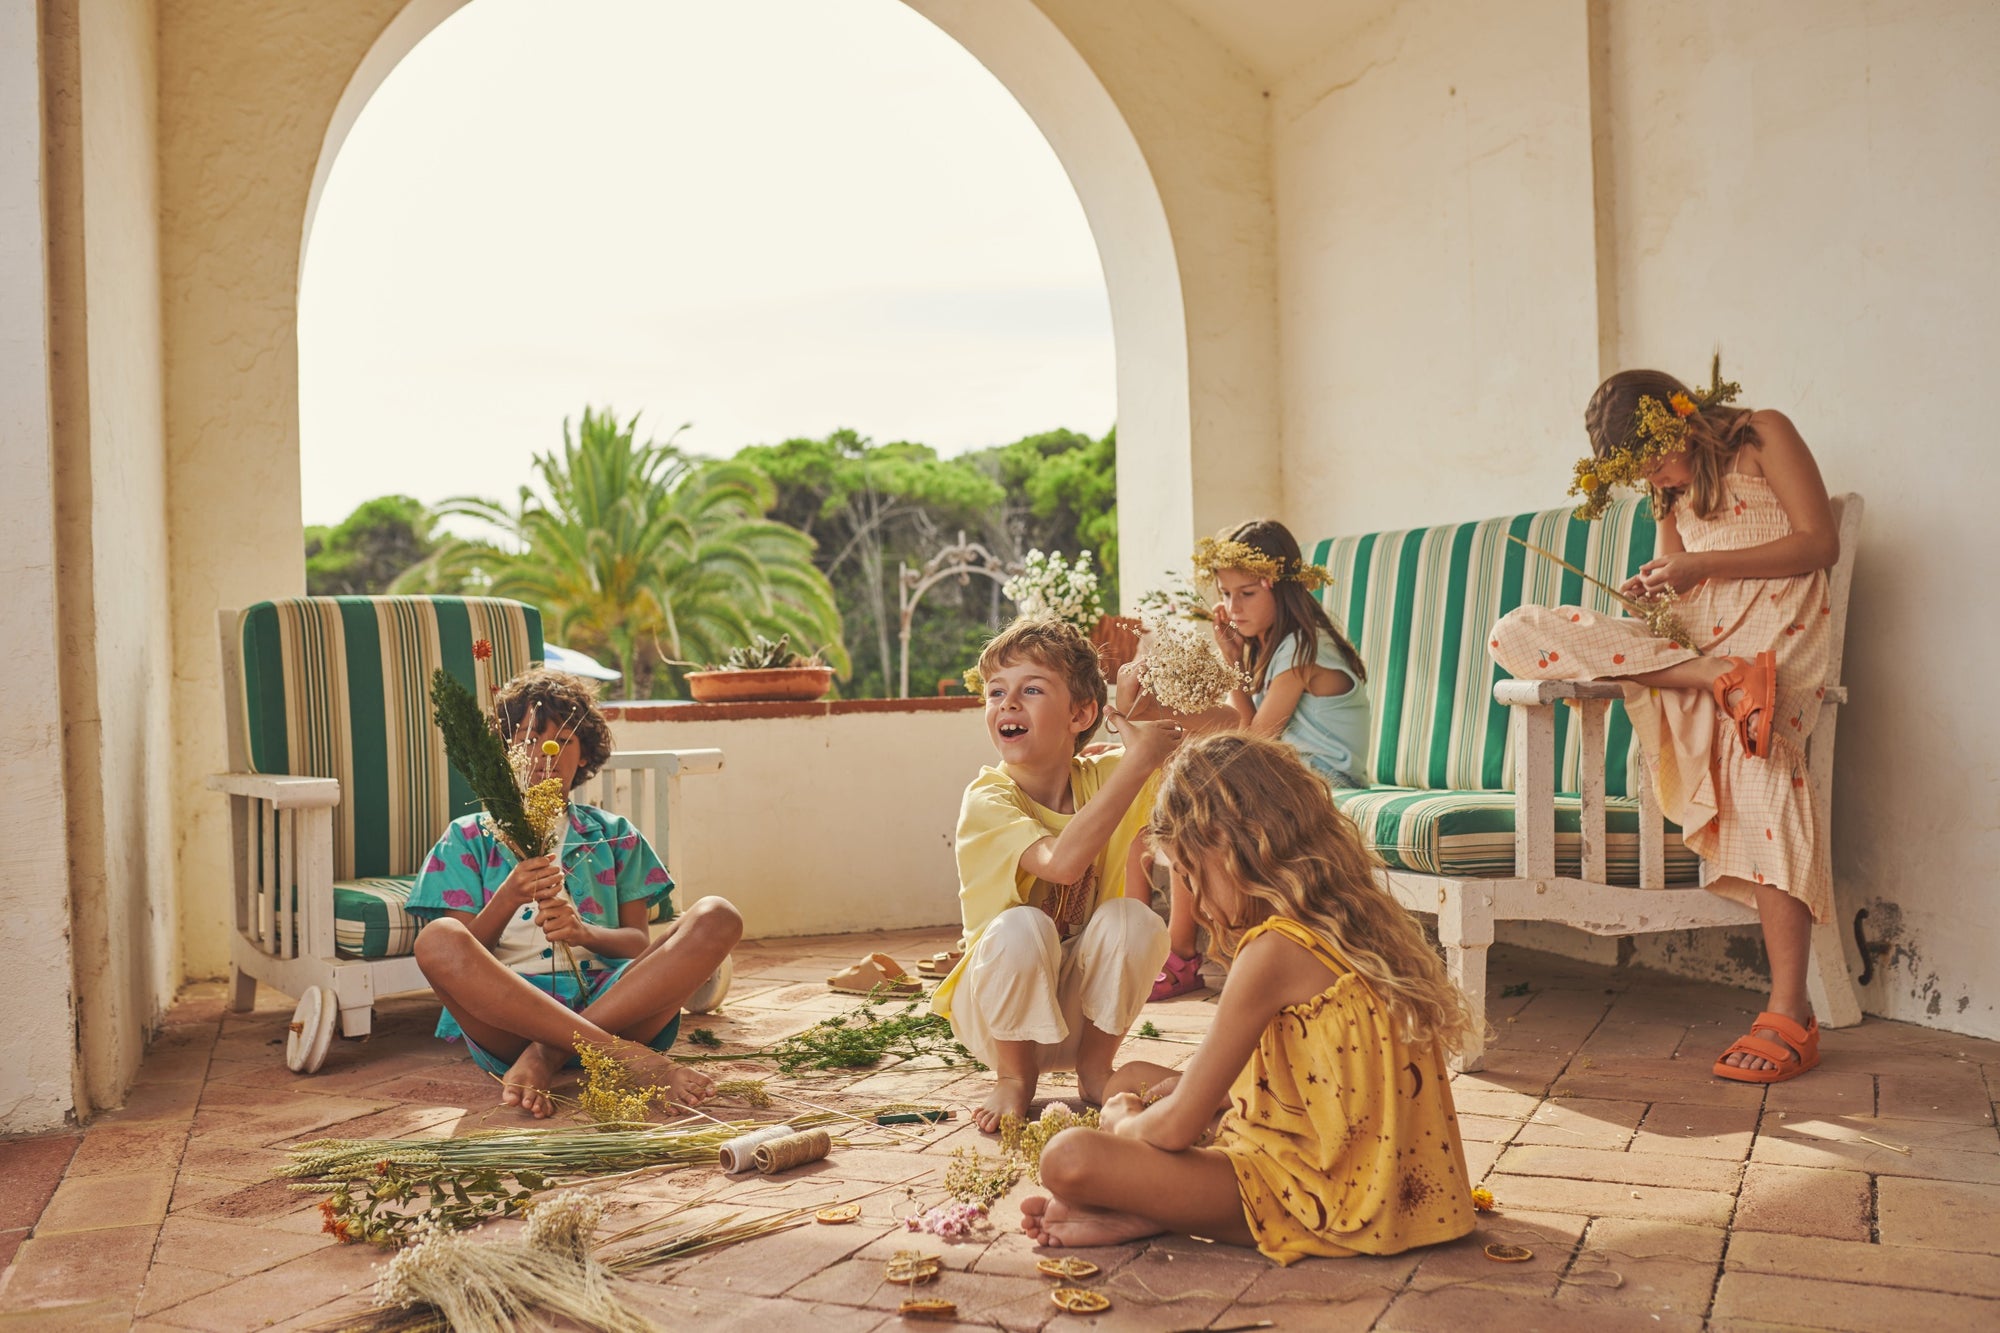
<point>656,1069</point>
<point>1010,1097</point>
<point>1051,1222</point>
<point>527,1083</point>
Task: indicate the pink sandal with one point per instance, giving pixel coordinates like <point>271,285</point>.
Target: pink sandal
<point>1180,976</point>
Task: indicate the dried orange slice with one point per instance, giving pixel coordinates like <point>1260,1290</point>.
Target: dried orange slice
<point>845,1212</point>
<point>911,1268</point>
<point>931,1309</point>
<point>1509,1254</point>
<point>1076,1300</point>
<point>1068,1266</point>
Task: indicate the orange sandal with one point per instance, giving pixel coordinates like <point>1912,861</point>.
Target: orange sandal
<point>1756,686</point>
<point>1795,1051</point>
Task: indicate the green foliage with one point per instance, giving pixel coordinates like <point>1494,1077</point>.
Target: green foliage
<point>863,1039</point>
<point>480,756</point>
<point>642,552</point>
<point>369,549</point>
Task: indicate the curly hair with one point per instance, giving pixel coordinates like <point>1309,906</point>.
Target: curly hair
<point>1714,434</point>
<point>1244,808</point>
<point>1056,645</point>
<point>570,701</point>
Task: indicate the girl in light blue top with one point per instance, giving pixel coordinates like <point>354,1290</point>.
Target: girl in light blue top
<point>1308,687</point>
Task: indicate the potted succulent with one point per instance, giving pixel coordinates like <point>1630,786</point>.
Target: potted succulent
<point>765,670</point>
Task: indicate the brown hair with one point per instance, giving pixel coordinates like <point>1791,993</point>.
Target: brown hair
<point>1055,644</point>
<point>1713,435</point>
<point>568,701</point>
<point>1248,808</point>
<point>1298,611</point>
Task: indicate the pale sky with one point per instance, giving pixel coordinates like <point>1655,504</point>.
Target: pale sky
<point>765,217</point>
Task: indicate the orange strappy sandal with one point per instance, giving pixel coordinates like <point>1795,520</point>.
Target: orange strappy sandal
<point>1755,685</point>
<point>1795,1051</point>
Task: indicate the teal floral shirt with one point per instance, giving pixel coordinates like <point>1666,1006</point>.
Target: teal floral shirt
<point>608,863</point>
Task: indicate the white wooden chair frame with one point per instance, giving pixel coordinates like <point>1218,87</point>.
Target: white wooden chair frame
<point>281,833</point>
<point>1466,909</point>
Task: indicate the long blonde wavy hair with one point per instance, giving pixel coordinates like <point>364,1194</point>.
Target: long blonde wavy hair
<point>1714,434</point>
<point>1237,805</point>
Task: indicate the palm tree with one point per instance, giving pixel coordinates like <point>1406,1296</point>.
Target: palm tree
<point>642,552</point>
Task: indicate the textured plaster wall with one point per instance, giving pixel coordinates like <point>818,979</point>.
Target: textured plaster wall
<point>113,571</point>
<point>1481,212</point>
<point>827,824</point>
<point>247,88</point>
<point>38,1041</point>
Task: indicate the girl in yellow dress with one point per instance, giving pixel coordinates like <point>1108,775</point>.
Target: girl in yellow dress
<point>1746,537</point>
<point>1326,1060</point>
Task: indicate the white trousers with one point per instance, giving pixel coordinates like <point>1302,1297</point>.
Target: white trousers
<point>1023,984</point>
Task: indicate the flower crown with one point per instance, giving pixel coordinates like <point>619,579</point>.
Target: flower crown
<point>1658,430</point>
<point>1214,554</point>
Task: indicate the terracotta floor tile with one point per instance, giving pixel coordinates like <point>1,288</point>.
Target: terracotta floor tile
<point>674,1307</point>
<point>167,1285</point>
<point>1456,1309</point>
<point>1803,1202</point>
<point>227,1248</point>
<point>1602,1199</point>
<point>107,1315</point>
<point>1721,1132</point>
<point>1939,1215</point>
<point>1673,1087</point>
<point>32,1168</point>
<point>264,1298</point>
<point>1626,1168</point>
<point>1009,1302</point>
<point>1659,1267</point>
<point>158,1101</point>
<point>1487,1128</point>
<point>1859,1145</point>
<point>1864,1263</point>
<point>93,1203</point>
<point>1579,1122</point>
<point>123,1149</point>
<point>78,1266</point>
<point>1957,1094</point>
<point>1552,1237</point>
<point>1845,1306</point>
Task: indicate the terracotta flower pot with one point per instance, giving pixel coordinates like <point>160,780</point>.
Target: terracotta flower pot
<point>724,687</point>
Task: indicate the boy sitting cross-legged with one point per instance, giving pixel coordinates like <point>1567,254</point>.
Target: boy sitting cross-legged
<point>1057,960</point>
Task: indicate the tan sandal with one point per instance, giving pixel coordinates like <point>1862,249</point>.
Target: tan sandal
<point>876,974</point>
<point>939,964</point>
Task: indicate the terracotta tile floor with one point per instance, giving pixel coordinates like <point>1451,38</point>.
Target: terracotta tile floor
<point>1866,1196</point>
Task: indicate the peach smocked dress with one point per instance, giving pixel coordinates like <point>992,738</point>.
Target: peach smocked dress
<point>1747,818</point>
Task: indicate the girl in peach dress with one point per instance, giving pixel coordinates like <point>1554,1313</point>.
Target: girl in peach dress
<point>1746,535</point>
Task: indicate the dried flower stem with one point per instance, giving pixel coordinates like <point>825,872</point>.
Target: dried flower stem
<point>1657,614</point>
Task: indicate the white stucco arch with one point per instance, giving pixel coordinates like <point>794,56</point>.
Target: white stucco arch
<point>1039,66</point>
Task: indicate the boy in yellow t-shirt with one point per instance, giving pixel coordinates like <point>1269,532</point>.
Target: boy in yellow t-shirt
<point>1057,960</point>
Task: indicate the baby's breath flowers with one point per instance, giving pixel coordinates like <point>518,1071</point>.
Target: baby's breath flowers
<point>1048,585</point>
<point>953,1221</point>
<point>1183,670</point>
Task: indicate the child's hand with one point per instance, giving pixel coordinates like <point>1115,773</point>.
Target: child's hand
<point>1118,1109</point>
<point>1227,638</point>
<point>1677,571</point>
<point>532,880</point>
<point>558,918</point>
<point>1149,743</point>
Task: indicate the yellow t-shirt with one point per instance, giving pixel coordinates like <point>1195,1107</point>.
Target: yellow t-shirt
<point>998,822</point>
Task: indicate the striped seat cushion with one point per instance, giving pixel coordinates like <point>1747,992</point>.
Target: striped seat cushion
<point>1470,834</point>
<point>1420,604</point>
<point>369,920</point>
<point>339,687</point>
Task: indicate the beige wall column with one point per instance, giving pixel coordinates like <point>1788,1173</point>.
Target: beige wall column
<point>38,1042</point>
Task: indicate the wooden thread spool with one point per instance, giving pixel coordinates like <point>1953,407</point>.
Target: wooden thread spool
<point>793,1150</point>
<point>740,1153</point>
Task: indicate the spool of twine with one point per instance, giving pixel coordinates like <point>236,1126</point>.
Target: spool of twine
<point>793,1150</point>
<point>739,1154</point>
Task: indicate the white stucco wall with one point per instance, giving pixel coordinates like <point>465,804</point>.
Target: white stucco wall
<point>1481,211</point>
<point>38,1041</point>
<point>824,824</point>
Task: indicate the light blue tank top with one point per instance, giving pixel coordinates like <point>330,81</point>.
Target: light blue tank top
<point>1330,731</point>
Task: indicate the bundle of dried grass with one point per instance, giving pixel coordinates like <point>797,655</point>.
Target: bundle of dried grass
<point>1182,669</point>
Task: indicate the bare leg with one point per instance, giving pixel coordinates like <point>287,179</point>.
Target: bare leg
<point>1095,1049</point>
<point>1788,942</point>
<point>1107,1189</point>
<point>1180,920</point>
<point>1695,674</point>
<point>509,1017</point>
<point>1141,1078</point>
<point>654,986</point>
<point>1017,1067</point>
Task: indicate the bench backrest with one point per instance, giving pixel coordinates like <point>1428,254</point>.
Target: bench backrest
<point>1419,604</point>
<point>339,687</point>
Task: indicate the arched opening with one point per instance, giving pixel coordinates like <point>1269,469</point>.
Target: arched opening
<point>1097,151</point>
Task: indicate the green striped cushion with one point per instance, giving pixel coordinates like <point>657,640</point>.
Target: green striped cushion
<point>339,687</point>
<point>1420,604</point>
<point>1470,834</point>
<point>369,920</point>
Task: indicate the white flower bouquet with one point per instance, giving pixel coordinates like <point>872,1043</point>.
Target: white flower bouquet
<point>1049,585</point>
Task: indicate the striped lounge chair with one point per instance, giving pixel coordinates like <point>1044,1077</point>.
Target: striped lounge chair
<point>339,786</point>
<point>1491,802</point>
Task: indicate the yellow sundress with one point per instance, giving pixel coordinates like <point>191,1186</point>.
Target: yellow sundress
<point>1343,1139</point>
<point>1750,820</point>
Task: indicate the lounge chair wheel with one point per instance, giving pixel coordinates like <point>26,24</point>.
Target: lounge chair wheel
<point>707,997</point>
<point>311,1031</point>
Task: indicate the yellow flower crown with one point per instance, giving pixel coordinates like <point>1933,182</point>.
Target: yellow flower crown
<point>1214,554</point>
<point>1658,430</point>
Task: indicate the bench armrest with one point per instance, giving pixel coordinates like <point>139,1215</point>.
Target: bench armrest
<point>281,790</point>
<point>1531,693</point>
